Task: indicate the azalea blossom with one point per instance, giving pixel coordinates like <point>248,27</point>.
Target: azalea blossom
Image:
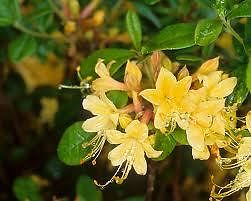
<point>131,150</point>
<point>168,98</point>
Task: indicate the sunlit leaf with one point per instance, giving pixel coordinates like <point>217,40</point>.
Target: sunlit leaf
<point>180,136</point>
<point>248,75</point>
<point>9,12</point>
<point>119,98</point>
<point>242,9</point>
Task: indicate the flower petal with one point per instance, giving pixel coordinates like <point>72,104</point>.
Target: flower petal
<point>137,130</point>
<point>101,69</point>
<point>211,79</point>
<point>153,96</point>
<point>133,76</point>
<point>115,137</point>
<point>248,121</point>
<point>98,123</point>
<point>208,66</point>
<point>211,107</point>
<point>182,87</point>
<point>224,88</point>
<point>195,137</point>
<point>150,152</point>
<point>118,155</point>
<point>96,106</point>
<point>162,117</point>
<point>139,163</point>
<point>202,155</point>
<point>165,81</point>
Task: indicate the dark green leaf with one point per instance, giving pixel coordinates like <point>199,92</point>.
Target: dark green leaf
<point>109,54</point>
<point>241,91</point>
<point>9,12</point>
<point>87,190</point>
<point>134,28</point>
<point>248,75</point>
<point>70,149</point>
<point>151,2</point>
<point>247,39</point>
<point>243,133</point>
<point>119,98</point>
<point>165,143</point>
<point>207,31</point>
<point>25,188</point>
<point>188,58</point>
<point>172,37</point>
<point>146,12</point>
<point>23,46</point>
<point>180,136</point>
<point>243,9</point>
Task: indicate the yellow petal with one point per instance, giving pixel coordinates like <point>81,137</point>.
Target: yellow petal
<point>202,155</point>
<point>98,123</point>
<point>137,130</point>
<point>166,81</point>
<point>182,87</point>
<point>209,66</point>
<point>106,100</point>
<point>211,107</point>
<point>248,195</point>
<point>224,88</point>
<point>96,106</point>
<point>211,79</point>
<point>218,125</point>
<point>153,96</point>
<point>118,155</point>
<point>107,84</point>
<point>195,137</point>
<point>133,76</point>
<point>245,147</point>
<point>150,152</point>
<point>183,73</point>
<point>115,137</point>
<point>248,121</point>
<point>139,163</point>
<point>101,69</point>
<point>162,117</point>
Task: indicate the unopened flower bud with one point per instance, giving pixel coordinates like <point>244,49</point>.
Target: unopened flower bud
<point>183,73</point>
<point>132,76</point>
<point>70,27</point>
<point>74,8</point>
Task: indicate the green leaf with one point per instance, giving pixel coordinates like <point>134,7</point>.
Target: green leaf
<point>134,28</point>
<point>87,190</point>
<point>220,6</point>
<point>241,91</point>
<point>9,12</point>
<point>248,75</point>
<point>70,149</point>
<point>207,31</point>
<point>147,13</point>
<point>25,189</point>
<point>108,54</point>
<point>243,9</point>
<point>23,46</point>
<point>151,2</point>
<point>180,136</point>
<point>247,40</point>
<point>165,143</point>
<point>172,37</point>
<point>119,98</point>
<point>188,58</point>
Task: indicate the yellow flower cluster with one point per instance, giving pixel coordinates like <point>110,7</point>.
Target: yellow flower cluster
<point>196,103</point>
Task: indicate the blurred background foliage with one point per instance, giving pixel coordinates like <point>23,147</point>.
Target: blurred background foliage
<point>43,42</point>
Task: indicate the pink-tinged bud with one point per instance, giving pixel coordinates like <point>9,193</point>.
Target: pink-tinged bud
<point>183,73</point>
<point>133,76</point>
<point>209,66</point>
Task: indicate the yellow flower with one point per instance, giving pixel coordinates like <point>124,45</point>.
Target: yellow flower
<point>131,150</point>
<point>168,97</point>
<point>133,76</point>
<point>106,114</point>
<point>208,66</point>
<point>106,82</point>
<point>216,86</point>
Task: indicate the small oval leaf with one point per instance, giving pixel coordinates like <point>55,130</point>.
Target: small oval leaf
<point>243,9</point>
<point>70,150</point>
<point>207,31</point>
<point>165,143</point>
<point>180,136</point>
<point>134,28</point>
<point>119,98</point>
<point>172,37</point>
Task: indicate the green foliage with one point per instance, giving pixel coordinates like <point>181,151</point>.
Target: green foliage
<point>23,46</point>
<point>207,31</point>
<point>243,9</point>
<point>25,189</point>
<point>165,143</point>
<point>180,136</point>
<point>248,76</point>
<point>70,149</point>
<point>109,54</point>
<point>9,12</point>
<point>134,28</point>
<point>172,37</point>
<point>86,190</point>
<point>119,98</point>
